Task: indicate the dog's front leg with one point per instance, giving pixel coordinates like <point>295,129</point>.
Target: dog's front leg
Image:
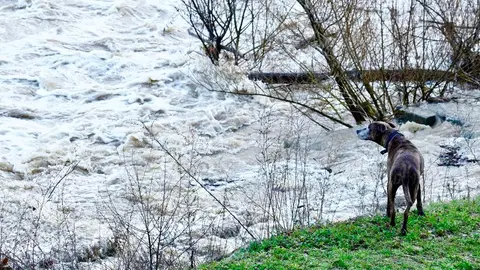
<point>389,191</point>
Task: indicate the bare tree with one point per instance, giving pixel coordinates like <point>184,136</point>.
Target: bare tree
<point>459,24</point>
<point>324,43</point>
<point>219,25</point>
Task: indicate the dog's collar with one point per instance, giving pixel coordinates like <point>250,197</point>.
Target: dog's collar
<point>390,138</point>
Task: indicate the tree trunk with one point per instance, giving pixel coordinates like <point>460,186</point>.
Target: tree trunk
<point>346,89</point>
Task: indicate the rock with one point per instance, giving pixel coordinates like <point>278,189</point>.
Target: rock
<point>6,166</point>
<point>226,231</point>
<point>82,170</point>
<point>9,168</point>
<point>20,114</point>
<point>19,175</point>
<point>213,182</point>
<point>104,139</point>
<point>403,116</point>
<point>450,156</point>
<point>39,162</point>
<point>36,171</point>
<point>136,141</point>
<point>100,97</point>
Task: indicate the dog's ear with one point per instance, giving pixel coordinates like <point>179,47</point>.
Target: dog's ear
<point>392,125</point>
<point>378,127</point>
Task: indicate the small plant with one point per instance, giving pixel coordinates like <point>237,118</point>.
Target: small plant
<point>4,264</point>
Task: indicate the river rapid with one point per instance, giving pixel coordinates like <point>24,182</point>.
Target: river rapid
<point>85,84</point>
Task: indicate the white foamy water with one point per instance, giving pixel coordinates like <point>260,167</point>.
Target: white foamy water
<point>77,79</point>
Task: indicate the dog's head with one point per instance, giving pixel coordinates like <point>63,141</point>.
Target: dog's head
<point>376,131</point>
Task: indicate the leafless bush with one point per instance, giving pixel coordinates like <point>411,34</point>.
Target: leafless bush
<point>26,231</point>
<point>285,176</point>
<point>159,222</point>
<point>378,174</point>
<point>325,186</point>
<point>160,210</point>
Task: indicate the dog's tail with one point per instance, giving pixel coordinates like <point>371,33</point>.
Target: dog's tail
<point>411,186</point>
<point>408,197</point>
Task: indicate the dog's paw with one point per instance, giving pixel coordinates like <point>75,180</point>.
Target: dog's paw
<point>421,213</point>
<point>403,232</point>
<point>392,223</point>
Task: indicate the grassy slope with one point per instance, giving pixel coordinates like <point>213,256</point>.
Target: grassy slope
<point>447,238</point>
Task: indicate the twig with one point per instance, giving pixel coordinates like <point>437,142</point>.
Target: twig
<point>284,99</point>
<point>70,170</point>
<point>196,180</point>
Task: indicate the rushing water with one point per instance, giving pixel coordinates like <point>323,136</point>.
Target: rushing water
<point>78,78</point>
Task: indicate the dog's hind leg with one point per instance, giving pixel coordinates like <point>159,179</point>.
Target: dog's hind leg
<point>392,190</point>
<point>419,202</point>
<point>405,219</point>
<point>408,197</point>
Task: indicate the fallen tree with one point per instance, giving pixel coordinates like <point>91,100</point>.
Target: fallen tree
<point>367,75</point>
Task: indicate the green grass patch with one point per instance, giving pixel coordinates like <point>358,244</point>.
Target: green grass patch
<point>448,237</point>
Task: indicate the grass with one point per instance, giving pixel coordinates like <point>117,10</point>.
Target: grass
<point>448,237</point>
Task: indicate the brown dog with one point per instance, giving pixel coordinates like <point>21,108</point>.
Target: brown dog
<point>404,166</point>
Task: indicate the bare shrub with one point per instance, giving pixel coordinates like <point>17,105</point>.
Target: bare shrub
<point>286,179</point>
<point>26,233</point>
<point>159,221</point>
<point>380,176</point>
<point>325,186</point>
<point>160,211</point>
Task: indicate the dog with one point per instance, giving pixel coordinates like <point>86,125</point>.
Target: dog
<point>404,166</point>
